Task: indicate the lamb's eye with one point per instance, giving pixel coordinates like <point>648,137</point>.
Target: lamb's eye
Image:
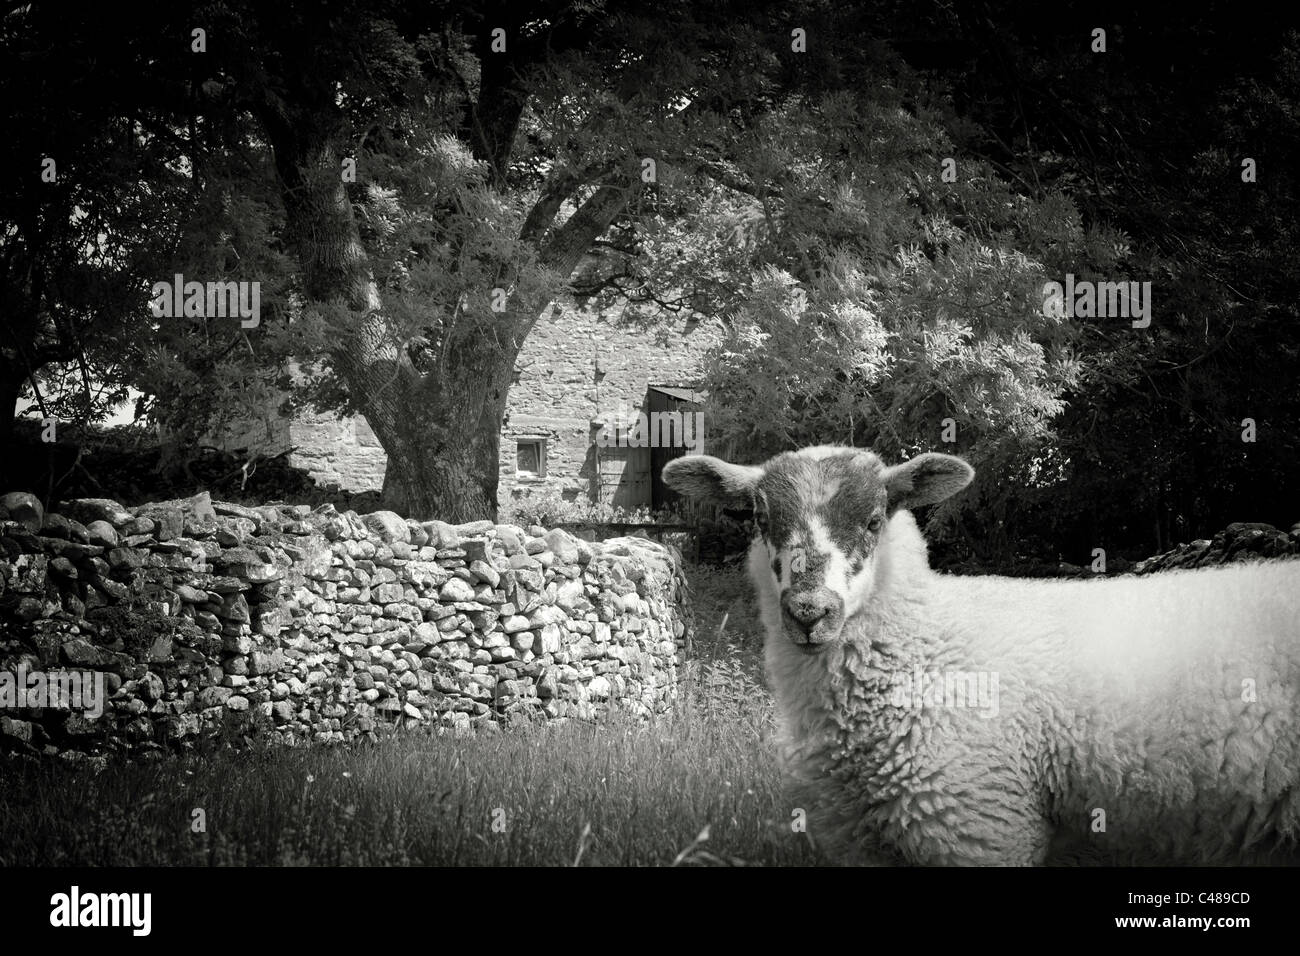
<point>874,525</point>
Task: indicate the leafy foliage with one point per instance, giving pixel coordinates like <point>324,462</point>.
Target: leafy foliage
<point>801,198</point>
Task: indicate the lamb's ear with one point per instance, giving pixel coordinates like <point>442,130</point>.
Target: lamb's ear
<point>710,479</point>
<point>926,479</point>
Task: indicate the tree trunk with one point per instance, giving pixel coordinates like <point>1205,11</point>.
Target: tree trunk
<point>446,465</point>
<point>440,428</point>
<point>10,386</point>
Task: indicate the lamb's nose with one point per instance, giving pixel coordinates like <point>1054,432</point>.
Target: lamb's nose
<point>808,607</point>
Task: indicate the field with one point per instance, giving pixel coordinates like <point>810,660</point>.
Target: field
<point>699,787</point>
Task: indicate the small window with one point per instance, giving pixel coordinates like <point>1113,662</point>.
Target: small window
<point>530,457</point>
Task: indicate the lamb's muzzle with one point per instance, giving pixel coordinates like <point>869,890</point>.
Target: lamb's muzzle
<point>812,618</point>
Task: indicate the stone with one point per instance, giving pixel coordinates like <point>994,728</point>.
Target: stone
<point>235,559</point>
<point>150,687</point>
<point>55,525</point>
<point>549,639</point>
<point>232,531</point>
<point>64,568</point>
<point>478,549</point>
<point>571,597</point>
<point>443,534</point>
<point>486,573</point>
<point>79,652</point>
<point>88,510</point>
<point>102,533</point>
<point>200,518</point>
<point>262,662</point>
<point>237,643</point>
<point>24,508</point>
<point>20,730</point>
<point>127,558</point>
<point>80,725</point>
<point>510,539</point>
<point>389,526</point>
<point>214,696</point>
<point>234,608</point>
<point>263,573</point>
<point>191,595</point>
<point>237,511</point>
<point>562,545</point>
<point>515,623</point>
<point>427,633</point>
<point>138,526</point>
<point>456,590</point>
<point>168,523</point>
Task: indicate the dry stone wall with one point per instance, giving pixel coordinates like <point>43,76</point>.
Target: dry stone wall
<point>206,619</point>
<point>1238,542</point>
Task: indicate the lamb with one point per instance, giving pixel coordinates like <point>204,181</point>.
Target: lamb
<point>934,719</point>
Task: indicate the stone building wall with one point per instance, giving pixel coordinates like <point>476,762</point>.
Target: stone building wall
<point>576,366</point>
<point>334,450</point>
<point>296,624</point>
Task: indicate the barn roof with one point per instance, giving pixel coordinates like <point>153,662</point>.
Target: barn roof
<point>691,395</point>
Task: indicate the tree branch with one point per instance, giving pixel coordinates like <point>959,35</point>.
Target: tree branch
<point>570,242</point>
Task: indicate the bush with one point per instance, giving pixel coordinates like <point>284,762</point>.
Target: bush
<point>548,508</point>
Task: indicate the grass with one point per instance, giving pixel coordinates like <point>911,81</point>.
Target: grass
<point>700,787</point>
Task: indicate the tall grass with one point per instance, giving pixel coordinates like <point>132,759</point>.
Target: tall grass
<point>700,787</point>
<point>613,793</point>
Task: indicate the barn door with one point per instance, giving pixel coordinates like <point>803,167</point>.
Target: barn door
<point>625,476</point>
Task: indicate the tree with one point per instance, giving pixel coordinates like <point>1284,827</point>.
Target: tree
<point>85,216</point>
<point>916,300</point>
<point>493,146</point>
<point>788,169</point>
<point>1152,137</point>
<point>872,302</point>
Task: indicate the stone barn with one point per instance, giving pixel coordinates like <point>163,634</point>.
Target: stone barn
<point>597,407</point>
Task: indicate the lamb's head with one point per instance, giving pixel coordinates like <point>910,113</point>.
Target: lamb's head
<point>820,515</point>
